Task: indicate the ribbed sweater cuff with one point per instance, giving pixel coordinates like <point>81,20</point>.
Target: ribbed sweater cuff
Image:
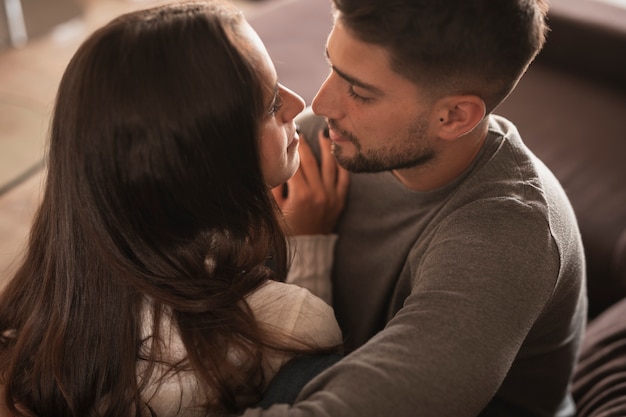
<point>312,261</point>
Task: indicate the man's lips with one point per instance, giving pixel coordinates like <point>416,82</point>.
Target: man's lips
<point>336,136</point>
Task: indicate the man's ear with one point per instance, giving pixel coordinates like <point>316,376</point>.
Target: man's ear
<point>458,115</point>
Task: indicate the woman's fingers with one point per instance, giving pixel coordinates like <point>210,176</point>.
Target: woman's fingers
<point>314,197</point>
<point>328,163</point>
<point>335,178</point>
<point>343,182</point>
<point>280,194</point>
<point>308,164</point>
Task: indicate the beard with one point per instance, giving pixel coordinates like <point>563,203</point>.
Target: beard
<point>410,149</point>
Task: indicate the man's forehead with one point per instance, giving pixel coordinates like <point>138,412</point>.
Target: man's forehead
<point>363,64</point>
<point>368,64</point>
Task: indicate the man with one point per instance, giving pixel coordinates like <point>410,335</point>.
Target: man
<point>459,271</point>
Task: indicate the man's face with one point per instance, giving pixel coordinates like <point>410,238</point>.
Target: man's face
<point>378,119</point>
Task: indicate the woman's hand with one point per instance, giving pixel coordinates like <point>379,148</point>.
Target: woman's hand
<point>314,197</point>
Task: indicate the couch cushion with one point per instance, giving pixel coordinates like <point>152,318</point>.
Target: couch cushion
<point>588,37</point>
<point>600,381</point>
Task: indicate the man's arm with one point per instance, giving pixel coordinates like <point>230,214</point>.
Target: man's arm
<point>476,293</point>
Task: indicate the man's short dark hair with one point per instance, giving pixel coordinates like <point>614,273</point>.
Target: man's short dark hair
<point>479,47</point>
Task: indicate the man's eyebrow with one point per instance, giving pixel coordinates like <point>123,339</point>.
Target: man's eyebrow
<point>354,81</point>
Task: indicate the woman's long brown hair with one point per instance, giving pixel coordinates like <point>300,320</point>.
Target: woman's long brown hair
<point>153,163</point>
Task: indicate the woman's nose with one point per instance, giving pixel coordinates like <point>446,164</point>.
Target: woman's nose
<point>293,103</point>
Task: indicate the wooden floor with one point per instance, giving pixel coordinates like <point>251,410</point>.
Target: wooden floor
<point>28,80</point>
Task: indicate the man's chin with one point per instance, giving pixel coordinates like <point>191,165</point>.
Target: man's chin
<point>355,164</point>
<point>341,156</point>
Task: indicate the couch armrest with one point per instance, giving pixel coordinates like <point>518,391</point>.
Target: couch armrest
<point>599,386</point>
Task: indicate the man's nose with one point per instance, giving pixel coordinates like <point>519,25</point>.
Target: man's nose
<point>326,103</point>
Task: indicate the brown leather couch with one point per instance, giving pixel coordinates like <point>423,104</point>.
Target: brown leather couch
<point>570,108</point>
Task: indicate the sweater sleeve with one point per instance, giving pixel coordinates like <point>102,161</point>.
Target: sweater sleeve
<point>296,313</point>
<point>312,260</point>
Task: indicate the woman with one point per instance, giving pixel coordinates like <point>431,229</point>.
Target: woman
<point>149,286</point>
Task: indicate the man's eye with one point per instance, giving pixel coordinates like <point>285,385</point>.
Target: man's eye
<point>356,96</point>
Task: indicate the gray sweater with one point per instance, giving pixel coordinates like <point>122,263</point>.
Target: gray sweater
<point>467,299</point>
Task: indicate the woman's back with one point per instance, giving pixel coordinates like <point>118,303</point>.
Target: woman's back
<point>170,129</point>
